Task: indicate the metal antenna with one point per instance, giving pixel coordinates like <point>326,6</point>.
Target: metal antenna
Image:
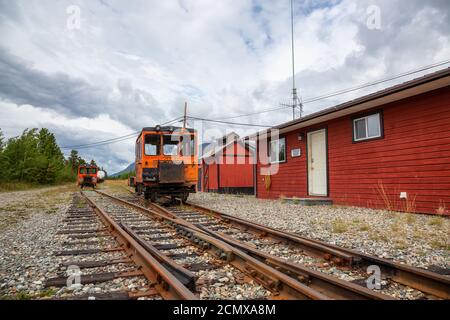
<point>296,102</point>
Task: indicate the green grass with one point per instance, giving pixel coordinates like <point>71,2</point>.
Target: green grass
<point>411,218</point>
<point>17,186</point>
<point>436,221</point>
<point>49,292</point>
<point>364,227</point>
<point>23,186</point>
<point>21,295</point>
<point>339,226</point>
<point>436,244</point>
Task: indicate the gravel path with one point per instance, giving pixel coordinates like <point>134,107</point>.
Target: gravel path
<point>28,222</point>
<point>418,240</point>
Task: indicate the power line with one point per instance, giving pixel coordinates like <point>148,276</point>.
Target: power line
<point>318,98</point>
<point>113,140</point>
<point>369,84</point>
<point>98,142</point>
<point>255,113</point>
<point>232,123</point>
<point>103,143</point>
<point>343,91</point>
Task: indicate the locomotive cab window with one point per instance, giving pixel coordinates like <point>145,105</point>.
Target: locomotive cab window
<point>187,145</point>
<point>152,144</point>
<point>367,128</point>
<point>92,171</point>
<point>170,145</point>
<point>83,170</point>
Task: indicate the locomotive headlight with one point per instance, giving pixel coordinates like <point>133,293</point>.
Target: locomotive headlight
<point>158,128</point>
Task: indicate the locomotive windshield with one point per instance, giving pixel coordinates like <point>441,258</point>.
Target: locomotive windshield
<point>85,170</point>
<point>170,145</point>
<point>152,143</point>
<point>178,145</point>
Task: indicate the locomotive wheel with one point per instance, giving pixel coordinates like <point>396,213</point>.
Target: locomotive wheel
<point>153,197</point>
<point>184,197</point>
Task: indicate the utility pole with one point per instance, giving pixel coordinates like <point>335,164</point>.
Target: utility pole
<point>295,100</point>
<point>185,115</point>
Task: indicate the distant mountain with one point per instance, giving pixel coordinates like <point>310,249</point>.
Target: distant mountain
<point>126,170</point>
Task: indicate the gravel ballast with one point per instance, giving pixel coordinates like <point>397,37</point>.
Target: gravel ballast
<point>413,239</point>
<point>28,223</point>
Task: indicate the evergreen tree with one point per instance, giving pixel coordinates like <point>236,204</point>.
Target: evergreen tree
<point>2,143</point>
<point>2,158</point>
<point>35,157</point>
<point>22,157</point>
<point>54,159</point>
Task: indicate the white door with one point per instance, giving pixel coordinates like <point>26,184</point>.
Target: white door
<point>317,163</point>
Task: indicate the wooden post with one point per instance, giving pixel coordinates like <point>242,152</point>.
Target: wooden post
<point>185,115</point>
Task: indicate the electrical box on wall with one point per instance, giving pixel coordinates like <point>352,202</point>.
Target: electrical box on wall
<point>295,153</point>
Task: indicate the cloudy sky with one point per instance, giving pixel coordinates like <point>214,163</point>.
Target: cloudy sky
<point>124,65</point>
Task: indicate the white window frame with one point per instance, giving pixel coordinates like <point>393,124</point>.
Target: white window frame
<point>278,144</point>
<point>366,120</point>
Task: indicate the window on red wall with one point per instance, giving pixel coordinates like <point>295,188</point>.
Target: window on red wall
<point>277,150</point>
<point>368,127</point>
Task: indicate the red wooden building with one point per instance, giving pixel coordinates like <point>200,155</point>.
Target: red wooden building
<point>389,149</point>
<point>228,166</point>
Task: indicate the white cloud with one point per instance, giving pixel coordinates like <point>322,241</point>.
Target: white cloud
<point>138,61</point>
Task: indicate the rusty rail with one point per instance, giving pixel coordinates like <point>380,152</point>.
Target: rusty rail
<point>327,285</point>
<point>281,285</point>
<point>420,279</point>
<point>164,282</point>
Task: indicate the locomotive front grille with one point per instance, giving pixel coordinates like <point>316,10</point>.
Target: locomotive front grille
<point>170,172</point>
<point>87,179</point>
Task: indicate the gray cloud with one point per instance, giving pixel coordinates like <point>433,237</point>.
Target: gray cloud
<point>22,84</point>
<point>139,61</point>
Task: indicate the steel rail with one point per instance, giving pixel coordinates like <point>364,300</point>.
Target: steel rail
<point>186,277</point>
<point>164,282</point>
<point>281,285</point>
<point>320,250</point>
<point>326,284</point>
<point>419,279</point>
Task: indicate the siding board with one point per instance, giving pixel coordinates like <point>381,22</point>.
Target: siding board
<point>413,157</point>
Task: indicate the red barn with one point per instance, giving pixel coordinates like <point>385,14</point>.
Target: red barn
<point>228,166</point>
<point>389,149</point>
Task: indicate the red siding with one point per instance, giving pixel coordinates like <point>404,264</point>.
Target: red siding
<point>235,169</point>
<point>413,157</point>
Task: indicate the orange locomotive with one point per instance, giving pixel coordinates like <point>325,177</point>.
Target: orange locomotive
<point>166,163</point>
<point>87,176</point>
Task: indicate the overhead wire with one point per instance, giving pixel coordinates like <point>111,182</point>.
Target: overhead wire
<point>222,120</point>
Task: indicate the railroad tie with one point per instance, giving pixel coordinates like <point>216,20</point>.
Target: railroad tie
<point>92,278</point>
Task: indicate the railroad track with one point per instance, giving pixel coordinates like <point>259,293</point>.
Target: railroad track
<point>319,257</point>
<point>285,280</point>
<point>96,252</point>
<point>207,267</point>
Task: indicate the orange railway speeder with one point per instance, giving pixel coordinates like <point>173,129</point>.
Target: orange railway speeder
<point>166,163</point>
<point>87,176</point>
